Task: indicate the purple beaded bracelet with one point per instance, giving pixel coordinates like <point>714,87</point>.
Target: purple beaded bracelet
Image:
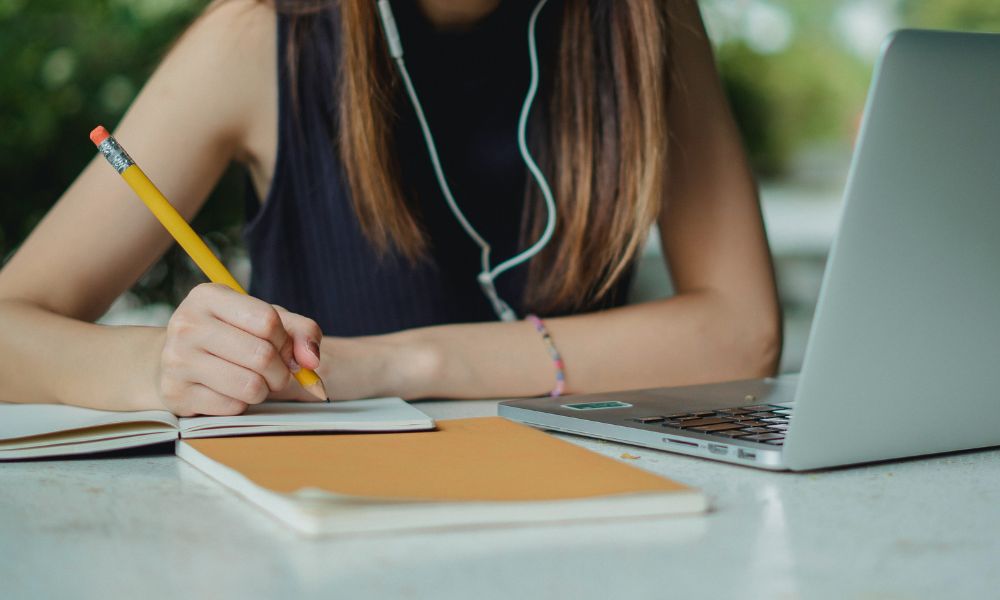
<point>554,353</point>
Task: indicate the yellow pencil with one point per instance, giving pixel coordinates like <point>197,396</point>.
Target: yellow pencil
<point>182,232</point>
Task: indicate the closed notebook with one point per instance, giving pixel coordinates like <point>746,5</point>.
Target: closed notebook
<point>482,471</point>
<point>40,430</point>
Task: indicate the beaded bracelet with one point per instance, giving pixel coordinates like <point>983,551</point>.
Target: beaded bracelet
<point>554,353</point>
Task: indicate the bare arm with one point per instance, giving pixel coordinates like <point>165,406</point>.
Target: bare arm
<point>723,323</point>
<point>204,107</point>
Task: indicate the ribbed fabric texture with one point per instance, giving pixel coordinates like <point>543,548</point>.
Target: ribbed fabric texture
<point>471,85</point>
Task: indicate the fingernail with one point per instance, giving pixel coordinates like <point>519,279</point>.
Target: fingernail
<point>293,366</point>
<point>314,348</point>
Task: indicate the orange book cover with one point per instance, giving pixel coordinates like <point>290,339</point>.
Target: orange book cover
<point>482,462</point>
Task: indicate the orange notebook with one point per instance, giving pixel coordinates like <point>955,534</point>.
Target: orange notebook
<point>482,471</point>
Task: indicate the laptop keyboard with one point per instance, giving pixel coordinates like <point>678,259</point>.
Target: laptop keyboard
<point>762,423</point>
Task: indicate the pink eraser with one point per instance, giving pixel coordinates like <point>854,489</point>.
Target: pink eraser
<point>99,134</point>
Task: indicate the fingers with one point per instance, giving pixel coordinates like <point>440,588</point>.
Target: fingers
<point>206,401</point>
<point>253,316</point>
<point>305,337</point>
<point>230,379</point>
<point>250,352</point>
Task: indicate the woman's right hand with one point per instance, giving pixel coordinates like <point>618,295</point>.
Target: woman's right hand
<point>224,351</point>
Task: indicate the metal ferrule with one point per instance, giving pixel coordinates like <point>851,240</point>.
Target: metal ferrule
<point>116,155</point>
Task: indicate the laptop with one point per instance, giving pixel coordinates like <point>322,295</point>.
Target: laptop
<point>903,357</point>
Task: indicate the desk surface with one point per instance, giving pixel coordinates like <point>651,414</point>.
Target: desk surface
<point>150,526</point>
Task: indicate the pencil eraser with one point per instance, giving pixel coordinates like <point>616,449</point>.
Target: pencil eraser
<point>99,134</point>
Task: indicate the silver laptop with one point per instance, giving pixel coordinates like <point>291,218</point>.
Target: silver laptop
<point>903,357</point>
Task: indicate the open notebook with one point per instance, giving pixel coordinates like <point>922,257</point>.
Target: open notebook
<point>39,430</point>
<point>482,471</point>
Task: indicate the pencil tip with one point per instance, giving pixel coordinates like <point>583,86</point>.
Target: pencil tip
<point>319,390</point>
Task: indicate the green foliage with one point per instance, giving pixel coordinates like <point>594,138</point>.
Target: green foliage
<point>966,15</point>
<point>68,66</point>
<point>813,90</point>
<point>805,94</point>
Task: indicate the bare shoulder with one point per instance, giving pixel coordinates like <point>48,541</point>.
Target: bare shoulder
<point>243,34</point>
<point>224,64</point>
<point>233,33</point>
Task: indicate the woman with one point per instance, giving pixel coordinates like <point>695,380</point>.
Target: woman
<point>351,228</point>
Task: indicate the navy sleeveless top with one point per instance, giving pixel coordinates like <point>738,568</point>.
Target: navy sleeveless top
<point>307,250</point>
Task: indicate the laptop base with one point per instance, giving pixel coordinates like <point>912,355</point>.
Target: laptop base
<point>642,418</point>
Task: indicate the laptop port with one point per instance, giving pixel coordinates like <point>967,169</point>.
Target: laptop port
<point>746,454</point>
<point>718,449</point>
<point>682,442</point>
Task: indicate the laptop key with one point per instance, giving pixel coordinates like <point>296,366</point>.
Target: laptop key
<point>648,419</point>
<point>758,407</point>
<point>775,420</point>
<point>778,427</point>
<point>717,427</point>
<point>703,422</point>
<point>731,432</point>
<point>749,430</point>
<point>762,415</point>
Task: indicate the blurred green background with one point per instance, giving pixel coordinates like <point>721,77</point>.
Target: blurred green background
<point>796,72</point>
<point>70,65</point>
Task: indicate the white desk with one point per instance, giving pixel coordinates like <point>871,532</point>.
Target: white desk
<point>150,526</point>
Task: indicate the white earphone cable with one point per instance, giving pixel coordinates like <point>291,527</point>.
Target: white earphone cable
<point>439,171</point>
<point>487,275</point>
<point>529,161</point>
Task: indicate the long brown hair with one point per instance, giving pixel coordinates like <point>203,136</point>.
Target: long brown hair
<point>603,147</point>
